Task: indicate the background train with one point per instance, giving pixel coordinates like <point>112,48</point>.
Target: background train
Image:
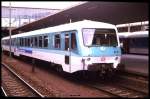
<point>135,43</point>
<point>80,46</point>
<point>134,37</point>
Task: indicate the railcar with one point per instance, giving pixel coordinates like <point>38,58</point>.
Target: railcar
<point>135,42</point>
<point>80,46</point>
<point>134,37</point>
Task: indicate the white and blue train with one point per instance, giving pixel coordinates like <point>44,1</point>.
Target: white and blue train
<point>83,45</point>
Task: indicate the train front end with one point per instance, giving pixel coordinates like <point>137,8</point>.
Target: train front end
<point>101,50</point>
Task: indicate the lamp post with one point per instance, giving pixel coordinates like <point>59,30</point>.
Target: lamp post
<point>10,29</point>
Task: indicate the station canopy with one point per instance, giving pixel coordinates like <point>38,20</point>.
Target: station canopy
<point>109,12</point>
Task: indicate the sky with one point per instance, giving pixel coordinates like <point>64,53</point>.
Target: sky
<point>44,4</point>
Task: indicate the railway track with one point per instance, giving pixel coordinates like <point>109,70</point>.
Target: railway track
<point>114,88</point>
<point>117,91</point>
<point>3,92</point>
<point>134,82</point>
<point>14,85</point>
<point>137,76</point>
<point>126,86</point>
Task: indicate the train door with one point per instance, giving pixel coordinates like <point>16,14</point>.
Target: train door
<point>70,45</point>
<point>67,48</point>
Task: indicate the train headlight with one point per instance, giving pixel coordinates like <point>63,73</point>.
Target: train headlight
<point>88,59</point>
<point>87,62</point>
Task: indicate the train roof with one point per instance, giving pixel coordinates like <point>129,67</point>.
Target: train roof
<point>136,34</point>
<point>67,27</point>
<point>133,24</point>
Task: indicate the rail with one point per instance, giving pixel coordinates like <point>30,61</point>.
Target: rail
<point>23,81</point>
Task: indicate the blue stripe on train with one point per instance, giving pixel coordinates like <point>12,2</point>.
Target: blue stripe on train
<point>28,51</point>
<point>94,51</point>
<point>25,50</point>
<point>99,51</point>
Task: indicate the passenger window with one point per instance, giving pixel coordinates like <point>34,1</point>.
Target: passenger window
<point>28,43</point>
<point>31,44</point>
<point>24,41</point>
<point>73,41</point>
<point>40,41</point>
<point>21,41</point>
<point>16,42</point>
<point>45,41</point>
<point>66,41</point>
<point>35,42</point>
<point>57,41</point>
<point>8,42</point>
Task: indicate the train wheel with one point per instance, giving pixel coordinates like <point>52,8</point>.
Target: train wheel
<point>85,75</point>
<point>59,69</point>
<point>121,68</point>
<point>110,74</point>
<point>82,75</point>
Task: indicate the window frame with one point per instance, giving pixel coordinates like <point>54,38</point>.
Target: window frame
<point>93,36</point>
<point>44,41</point>
<point>40,42</point>
<point>35,45</point>
<point>75,42</point>
<point>59,46</point>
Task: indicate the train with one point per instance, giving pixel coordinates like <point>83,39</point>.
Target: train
<point>79,46</point>
<point>134,37</point>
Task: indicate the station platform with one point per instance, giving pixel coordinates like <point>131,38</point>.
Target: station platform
<point>138,64</point>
